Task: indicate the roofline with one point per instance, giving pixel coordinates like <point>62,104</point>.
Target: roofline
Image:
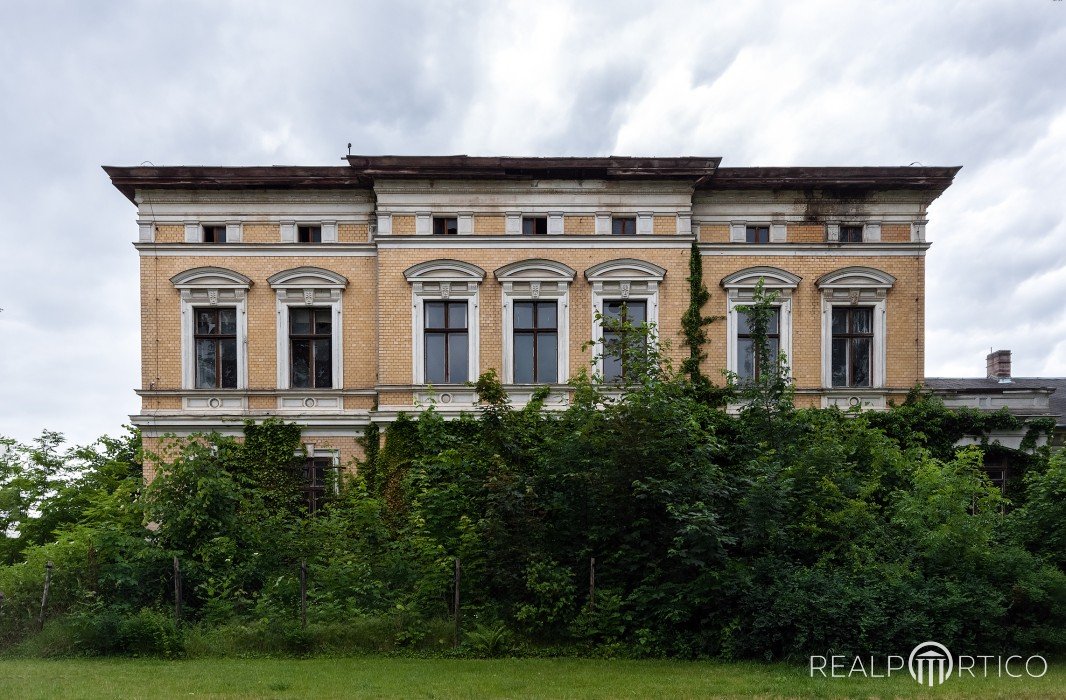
<point>932,179</point>
<point>281,177</point>
<point>361,171</point>
<point>495,167</point>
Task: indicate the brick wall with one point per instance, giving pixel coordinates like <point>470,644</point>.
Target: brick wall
<point>579,225</point>
<point>260,233</point>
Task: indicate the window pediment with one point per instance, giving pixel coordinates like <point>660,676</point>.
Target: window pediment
<point>307,278</point>
<point>444,271</point>
<point>772,277</point>
<point>210,278</point>
<point>629,269</point>
<point>537,269</point>
<point>856,278</point>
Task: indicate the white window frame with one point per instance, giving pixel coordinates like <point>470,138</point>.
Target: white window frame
<point>871,230</point>
<point>444,280</point>
<point>536,280</point>
<point>309,286</point>
<point>212,287</point>
<point>623,279</point>
<point>289,230</point>
<point>856,286</point>
<point>740,289</point>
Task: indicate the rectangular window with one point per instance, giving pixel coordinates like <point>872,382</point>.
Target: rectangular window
<point>616,346</point>
<point>624,226</point>
<point>215,341</point>
<point>309,234</point>
<point>534,225</point>
<point>447,342</point>
<point>536,342</point>
<point>851,234</point>
<point>318,477</point>
<point>214,234</point>
<point>311,348</point>
<point>445,226</point>
<point>757,234</point>
<point>747,359</point>
<point>853,338</point>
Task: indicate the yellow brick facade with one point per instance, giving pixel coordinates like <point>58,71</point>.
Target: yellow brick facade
<point>377,327</point>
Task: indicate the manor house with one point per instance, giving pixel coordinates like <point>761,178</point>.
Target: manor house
<point>340,296</point>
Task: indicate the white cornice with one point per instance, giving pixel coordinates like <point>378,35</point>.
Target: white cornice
<point>864,250</point>
<point>534,242</point>
<point>243,250</point>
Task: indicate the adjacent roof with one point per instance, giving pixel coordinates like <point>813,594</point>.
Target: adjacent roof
<point>981,385</point>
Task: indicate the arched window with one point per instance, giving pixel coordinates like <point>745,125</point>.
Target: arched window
<point>214,331</point>
<point>536,321</point>
<point>623,288</point>
<point>444,321</point>
<point>309,328</point>
<point>854,327</point>
<point>741,357</point>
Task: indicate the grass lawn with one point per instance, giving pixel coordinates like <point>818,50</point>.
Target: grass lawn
<point>443,678</point>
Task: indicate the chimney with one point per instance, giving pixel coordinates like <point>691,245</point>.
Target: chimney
<point>998,364</point>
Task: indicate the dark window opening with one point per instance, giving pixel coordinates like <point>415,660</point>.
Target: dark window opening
<point>748,363</point>
<point>851,234</point>
<point>624,226</point>
<point>311,348</point>
<point>853,339</point>
<point>536,342</point>
<point>215,342</point>
<point>757,234</point>
<point>214,234</point>
<point>446,342</point>
<point>319,476</point>
<point>534,225</point>
<point>617,348</point>
<point>309,234</point>
<point>445,226</point>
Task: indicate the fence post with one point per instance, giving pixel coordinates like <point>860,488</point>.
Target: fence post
<point>592,583</point>
<point>303,592</point>
<point>177,592</point>
<point>457,615</point>
<point>44,595</point>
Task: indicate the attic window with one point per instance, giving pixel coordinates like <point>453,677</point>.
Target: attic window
<point>445,226</point>
<point>214,233</point>
<point>309,234</point>
<point>851,234</point>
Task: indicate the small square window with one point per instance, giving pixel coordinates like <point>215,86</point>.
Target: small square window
<point>624,226</point>
<point>757,234</point>
<point>534,225</point>
<point>214,234</point>
<point>309,234</point>
<point>445,226</point>
<point>851,234</point>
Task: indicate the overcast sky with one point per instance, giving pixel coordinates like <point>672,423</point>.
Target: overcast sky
<point>977,84</point>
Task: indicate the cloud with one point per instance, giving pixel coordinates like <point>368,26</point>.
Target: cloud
<point>813,83</point>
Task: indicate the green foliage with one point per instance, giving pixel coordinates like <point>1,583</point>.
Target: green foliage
<point>771,534</point>
<point>694,323</point>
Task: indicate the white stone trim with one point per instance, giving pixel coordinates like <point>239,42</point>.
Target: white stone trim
<point>464,222</point>
<point>439,280</point>
<point>308,286</point>
<point>645,223</point>
<point>145,231</point>
<point>512,225</point>
<point>423,223</point>
<point>540,280</point>
<point>257,250</point>
<point>624,278</point>
<point>555,223</point>
<point>211,287</point>
<point>603,223</point>
<point>855,286</point>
